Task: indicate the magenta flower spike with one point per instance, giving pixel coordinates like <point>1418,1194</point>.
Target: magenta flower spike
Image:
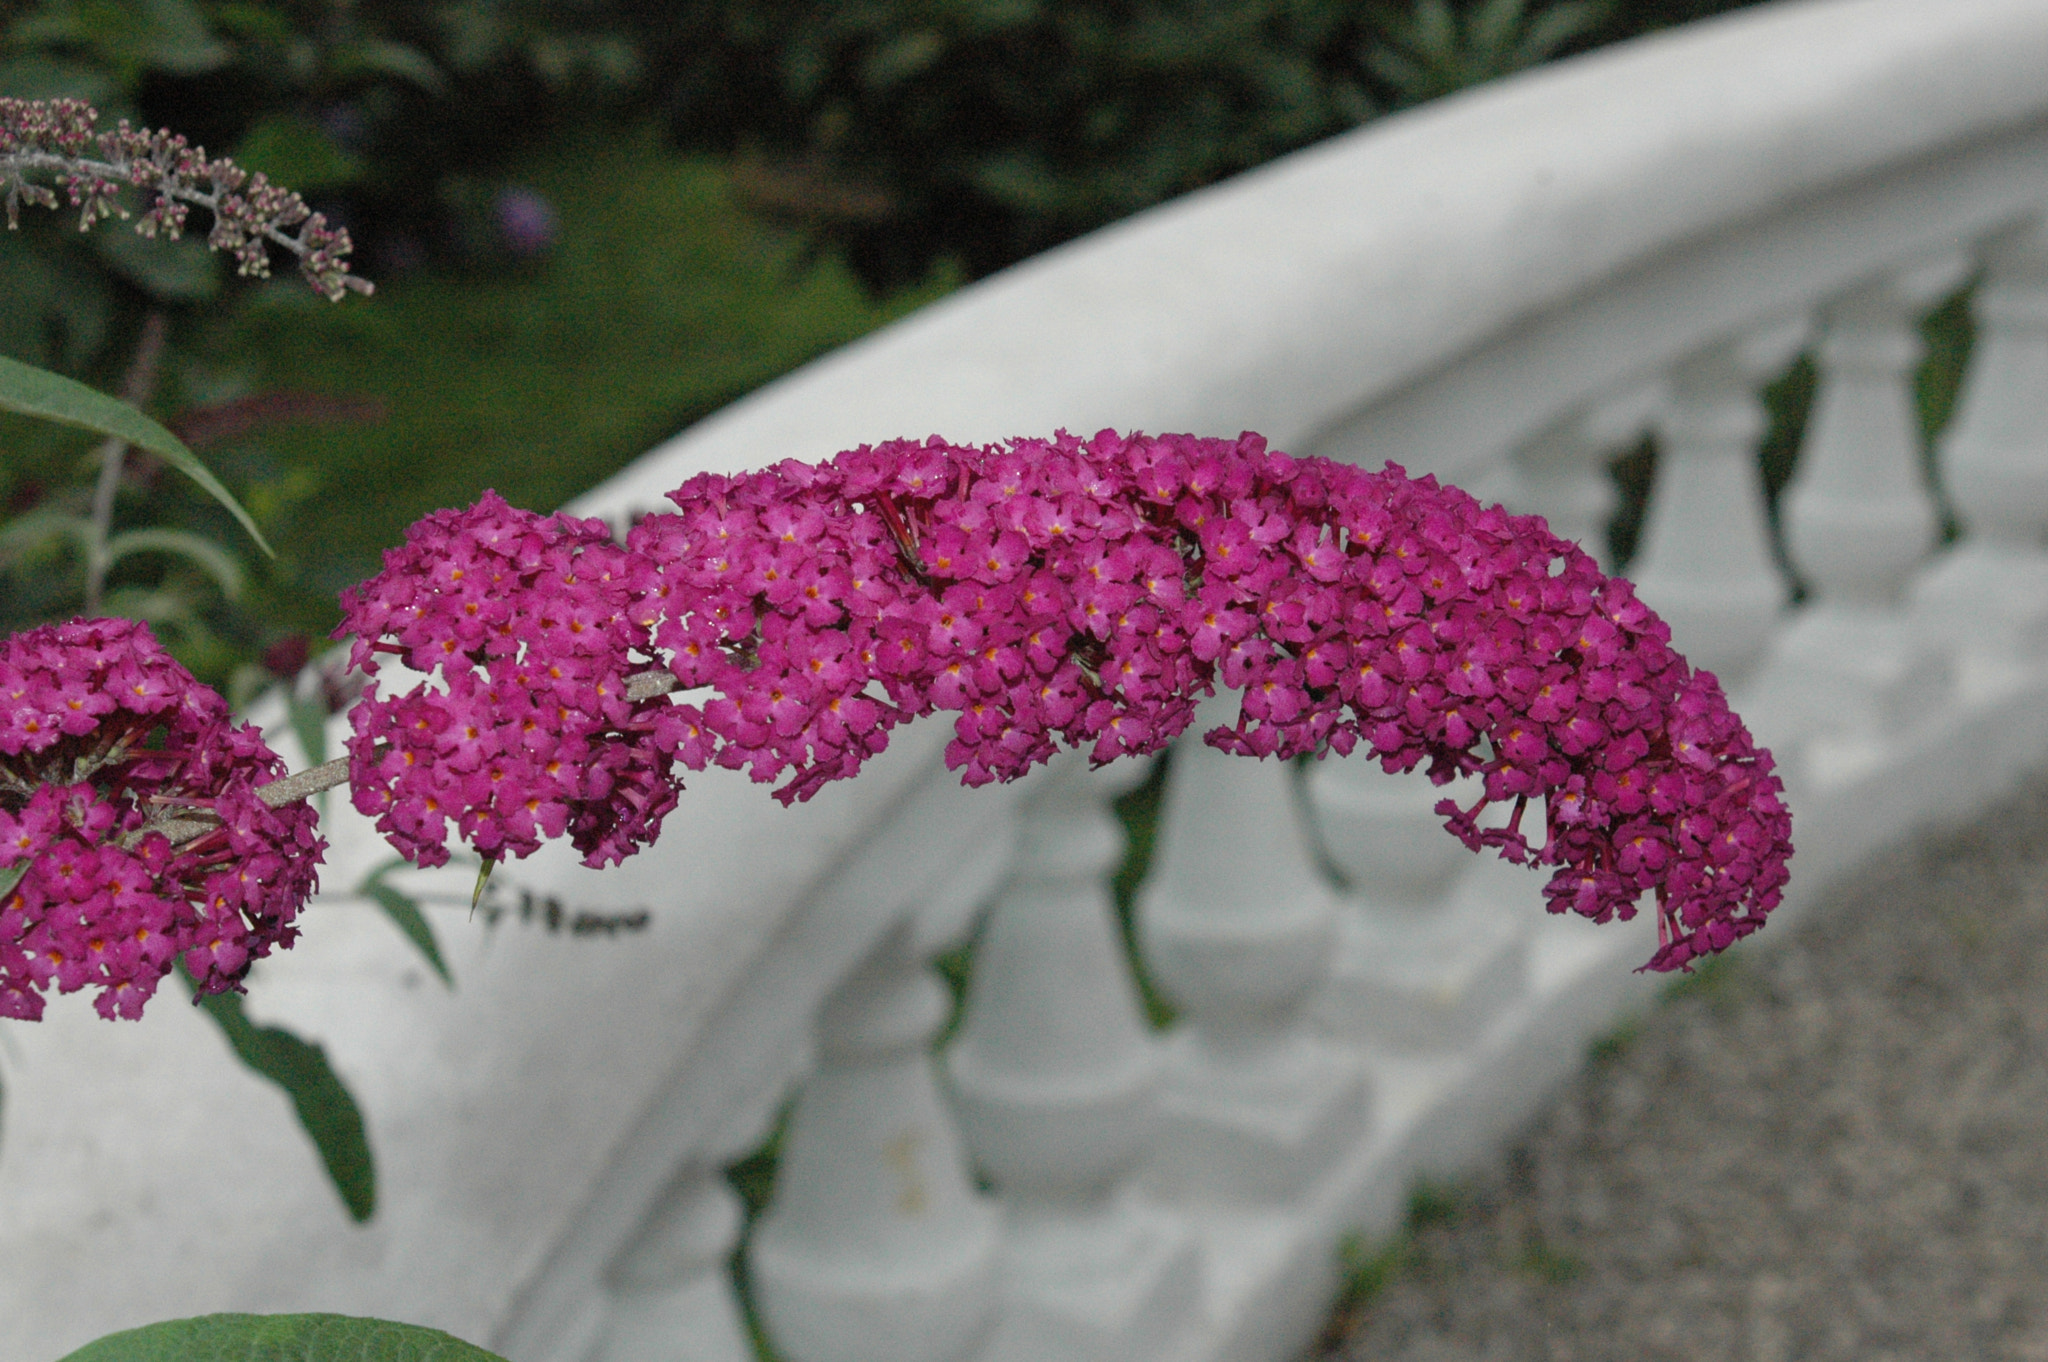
<point>531,625</point>
<point>130,818</point>
<point>1068,592</point>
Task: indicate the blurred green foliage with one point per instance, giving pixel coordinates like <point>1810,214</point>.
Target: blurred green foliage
<point>537,354</point>
<point>661,304</point>
<point>1435,52</point>
<point>989,130</point>
<point>901,132</point>
<point>340,425</point>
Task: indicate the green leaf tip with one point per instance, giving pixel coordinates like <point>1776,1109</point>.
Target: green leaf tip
<point>404,912</point>
<point>483,877</point>
<point>30,391</point>
<point>281,1338</point>
<point>325,1107</point>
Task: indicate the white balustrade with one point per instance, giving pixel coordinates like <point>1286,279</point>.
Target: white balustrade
<point>1858,515</point>
<point>1056,1080</point>
<point>1987,598</point>
<point>1238,928</point>
<point>877,1248</point>
<point>1559,476</point>
<point>1706,564</point>
<point>1501,290</point>
<point>1417,965</point>
<point>672,1296</point>
<point>1859,519</point>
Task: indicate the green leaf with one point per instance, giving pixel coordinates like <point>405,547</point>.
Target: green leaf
<point>38,392</point>
<point>179,41</point>
<point>404,912</point>
<point>1491,34</point>
<point>31,530</point>
<point>11,875</point>
<point>281,1338</point>
<point>182,271</point>
<point>901,58</point>
<point>293,150</point>
<point>39,75</point>
<point>326,1110</point>
<point>382,57</point>
<point>1561,24</point>
<point>1435,30</point>
<point>215,561</point>
<point>309,725</point>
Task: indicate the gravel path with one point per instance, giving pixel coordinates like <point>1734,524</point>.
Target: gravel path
<point>1834,1145</point>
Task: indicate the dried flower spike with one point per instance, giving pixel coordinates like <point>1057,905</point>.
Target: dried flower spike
<point>250,214</point>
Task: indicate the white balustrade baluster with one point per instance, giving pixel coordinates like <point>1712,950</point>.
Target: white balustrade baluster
<point>876,1248</point>
<point>1706,563</point>
<point>1987,597</point>
<point>1238,927</point>
<point>1423,960</point>
<point>671,1295</point>
<point>1858,519</point>
<point>1560,475</point>
<point>1056,1080</point>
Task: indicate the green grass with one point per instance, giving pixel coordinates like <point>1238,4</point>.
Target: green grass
<point>1367,1268</point>
<point>661,303</point>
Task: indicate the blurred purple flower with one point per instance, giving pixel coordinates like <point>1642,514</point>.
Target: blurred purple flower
<point>526,221</point>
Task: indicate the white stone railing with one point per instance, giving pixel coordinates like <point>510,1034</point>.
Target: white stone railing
<point>1504,288</point>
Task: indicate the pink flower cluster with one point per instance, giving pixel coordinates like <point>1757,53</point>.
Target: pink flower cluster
<point>533,624</point>
<point>130,825</point>
<point>250,214</point>
<point>1062,591</point>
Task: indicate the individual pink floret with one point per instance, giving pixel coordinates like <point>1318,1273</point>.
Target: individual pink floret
<point>106,746</point>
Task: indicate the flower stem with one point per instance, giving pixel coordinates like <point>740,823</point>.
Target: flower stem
<point>304,784</point>
<point>135,390</point>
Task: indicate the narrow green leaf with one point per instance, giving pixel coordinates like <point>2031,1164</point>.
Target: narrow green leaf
<point>404,912</point>
<point>181,271</point>
<point>11,875</point>
<point>326,1109</point>
<point>281,1338</point>
<point>483,877</point>
<point>382,57</point>
<point>292,149</point>
<point>202,552</point>
<point>1434,30</point>
<point>1490,33</point>
<point>1559,25</point>
<point>32,529</point>
<point>38,392</point>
